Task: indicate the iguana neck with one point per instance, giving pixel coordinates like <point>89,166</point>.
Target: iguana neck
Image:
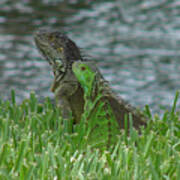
<point>71,53</point>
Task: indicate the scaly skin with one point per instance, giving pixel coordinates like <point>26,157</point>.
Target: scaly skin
<point>61,53</point>
<point>97,110</point>
<point>95,85</point>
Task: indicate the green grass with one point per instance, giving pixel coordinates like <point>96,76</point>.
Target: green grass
<point>36,143</point>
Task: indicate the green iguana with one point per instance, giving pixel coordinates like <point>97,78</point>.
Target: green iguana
<point>98,115</point>
<point>61,53</point>
<point>97,90</point>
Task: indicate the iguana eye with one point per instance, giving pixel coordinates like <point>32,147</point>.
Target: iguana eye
<point>60,49</point>
<point>83,68</point>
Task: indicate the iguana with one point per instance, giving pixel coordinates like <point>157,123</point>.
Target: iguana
<point>61,52</point>
<point>98,115</point>
<point>97,90</point>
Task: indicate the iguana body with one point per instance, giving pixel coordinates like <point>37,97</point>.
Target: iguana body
<point>61,53</point>
<point>98,114</point>
<point>95,85</point>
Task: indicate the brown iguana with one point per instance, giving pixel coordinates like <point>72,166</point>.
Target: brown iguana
<point>61,53</point>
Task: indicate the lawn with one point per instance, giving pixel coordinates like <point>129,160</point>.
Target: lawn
<point>36,143</point>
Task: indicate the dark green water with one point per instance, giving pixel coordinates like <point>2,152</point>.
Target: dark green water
<point>136,44</point>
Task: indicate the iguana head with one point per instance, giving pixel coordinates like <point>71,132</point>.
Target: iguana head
<point>85,74</point>
<point>56,46</point>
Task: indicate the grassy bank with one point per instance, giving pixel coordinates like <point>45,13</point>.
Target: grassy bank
<point>36,143</point>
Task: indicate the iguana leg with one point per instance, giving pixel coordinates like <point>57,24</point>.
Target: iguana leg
<point>62,94</point>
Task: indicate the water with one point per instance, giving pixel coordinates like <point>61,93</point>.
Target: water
<point>135,43</point>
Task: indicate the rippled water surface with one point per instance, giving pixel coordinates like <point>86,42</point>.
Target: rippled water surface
<point>135,43</point>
